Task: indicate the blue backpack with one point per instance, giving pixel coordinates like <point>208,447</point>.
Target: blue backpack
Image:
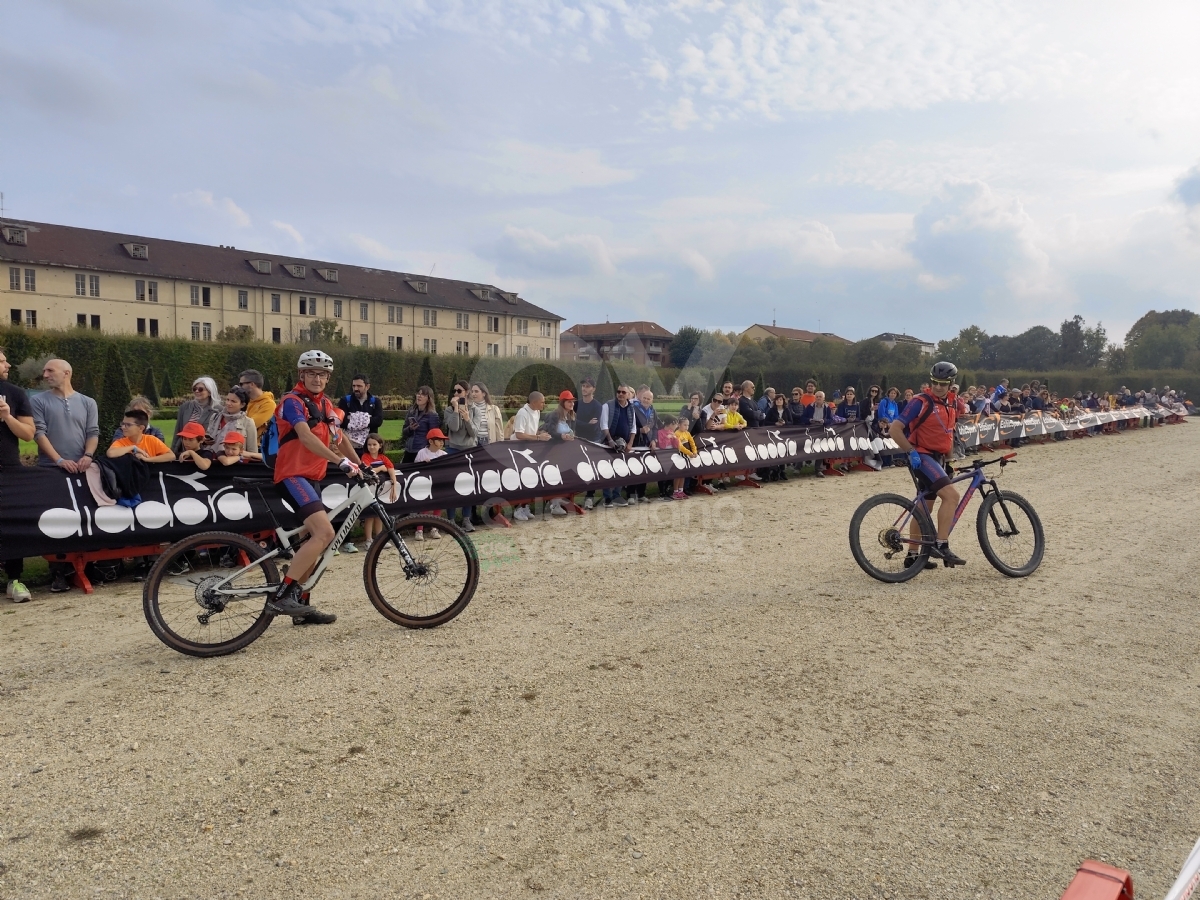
<point>270,443</point>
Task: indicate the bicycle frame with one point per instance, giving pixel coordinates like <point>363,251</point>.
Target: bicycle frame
<point>979,482</point>
<point>363,495</point>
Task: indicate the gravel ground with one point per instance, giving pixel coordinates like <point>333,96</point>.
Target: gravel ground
<point>690,699</point>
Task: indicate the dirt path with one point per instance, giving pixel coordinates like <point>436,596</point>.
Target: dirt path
<point>678,700</point>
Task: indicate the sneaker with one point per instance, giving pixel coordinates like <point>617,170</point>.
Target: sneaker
<point>348,548</point>
<point>434,534</point>
<point>706,489</point>
<point>948,557</point>
<point>179,567</point>
<point>873,463</point>
<point>420,535</point>
<point>587,503</point>
<point>820,474</point>
<point>521,514</point>
<point>315,616</point>
<point>679,495</point>
<point>288,602</point>
<point>608,504</point>
<point>60,584</point>
<point>666,498</point>
<point>754,476</point>
<point>227,561</point>
<point>468,526</point>
<point>783,476</point>
<point>618,501</point>
<point>17,592</point>
<point>557,510</point>
<point>910,558</point>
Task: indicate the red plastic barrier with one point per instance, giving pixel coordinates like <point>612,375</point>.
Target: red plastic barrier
<point>1097,881</point>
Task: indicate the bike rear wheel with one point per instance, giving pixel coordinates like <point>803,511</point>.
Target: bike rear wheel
<point>185,609</point>
<point>442,583</point>
<point>880,537</point>
<point>1010,533</point>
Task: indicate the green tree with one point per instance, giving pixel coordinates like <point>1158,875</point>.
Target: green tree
<point>964,350</point>
<point>1115,359</point>
<point>425,379</point>
<point>1166,319</point>
<point>533,383</point>
<point>869,355</point>
<point>168,389</point>
<point>326,331</point>
<point>760,386</point>
<point>113,396</point>
<point>685,342</point>
<point>450,389</point>
<point>148,389</point>
<point>725,376</point>
<point>236,333</point>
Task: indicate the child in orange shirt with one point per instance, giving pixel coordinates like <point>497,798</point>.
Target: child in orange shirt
<point>373,458</point>
<point>143,446</point>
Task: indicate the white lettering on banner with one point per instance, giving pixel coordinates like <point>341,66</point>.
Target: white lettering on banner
<point>1185,885</point>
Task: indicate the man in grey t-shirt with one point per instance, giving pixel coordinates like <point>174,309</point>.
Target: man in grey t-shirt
<point>66,423</point>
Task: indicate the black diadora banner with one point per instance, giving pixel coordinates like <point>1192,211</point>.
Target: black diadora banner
<point>47,511</point>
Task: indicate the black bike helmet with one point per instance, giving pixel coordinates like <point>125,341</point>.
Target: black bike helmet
<point>943,372</point>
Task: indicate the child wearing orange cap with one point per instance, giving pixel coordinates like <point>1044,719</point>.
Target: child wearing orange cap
<point>191,435</point>
<point>230,452</point>
<point>435,450</point>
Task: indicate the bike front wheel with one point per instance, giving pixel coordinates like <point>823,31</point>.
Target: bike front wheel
<point>184,600</point>
<point>436,587</point>
<point>881,537</point>
<point>1010,533</point>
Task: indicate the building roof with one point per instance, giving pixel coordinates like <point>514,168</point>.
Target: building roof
<point>105,251</point>
<point>620,329</point>
<point>800,334</point>
<point>899,338</point>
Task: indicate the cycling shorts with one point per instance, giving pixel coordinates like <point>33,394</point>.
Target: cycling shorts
<point>931,477</point>
<point>305,495</point>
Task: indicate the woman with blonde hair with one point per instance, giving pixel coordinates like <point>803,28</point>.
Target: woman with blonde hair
<point>204,407</point>
<point>143,403</point>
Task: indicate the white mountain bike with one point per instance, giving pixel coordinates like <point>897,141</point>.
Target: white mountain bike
<point>206,595</point>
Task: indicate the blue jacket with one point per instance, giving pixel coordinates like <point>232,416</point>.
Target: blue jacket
<point>888,409</point>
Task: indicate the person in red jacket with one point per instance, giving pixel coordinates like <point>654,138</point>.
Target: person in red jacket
<point>925,431</point>
<point>308,424</point>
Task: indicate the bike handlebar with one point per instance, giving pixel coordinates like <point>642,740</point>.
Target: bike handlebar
<point>1003,460</point>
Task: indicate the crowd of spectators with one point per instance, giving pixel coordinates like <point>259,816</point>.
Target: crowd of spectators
<point>212,429</point>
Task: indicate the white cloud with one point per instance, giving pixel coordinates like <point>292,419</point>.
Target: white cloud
<point>289,230</point>
<point>199,199</point>
<point>520,167</point>
<point>529,251</point>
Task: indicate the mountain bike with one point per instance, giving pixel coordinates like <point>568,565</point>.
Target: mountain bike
<point>206,595</point>
<point>1010,533</point>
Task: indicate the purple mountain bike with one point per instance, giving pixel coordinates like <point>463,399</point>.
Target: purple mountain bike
<point>891,536</point>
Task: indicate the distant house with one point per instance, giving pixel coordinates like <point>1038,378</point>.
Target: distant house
<point>646,343</point>
<point>890,340</point>
<point>762,332</point>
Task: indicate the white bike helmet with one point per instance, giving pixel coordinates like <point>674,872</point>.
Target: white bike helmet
<point>315,359</point>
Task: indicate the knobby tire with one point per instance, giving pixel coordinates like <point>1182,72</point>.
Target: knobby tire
<point>992,514</point>
<point>424,601</point>
<point>861,543</point>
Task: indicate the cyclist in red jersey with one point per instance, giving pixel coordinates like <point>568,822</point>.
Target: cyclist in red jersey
<point>308,424</point>
<point>925,431</point>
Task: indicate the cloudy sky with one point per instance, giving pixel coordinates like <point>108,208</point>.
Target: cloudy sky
<point>857,167</point>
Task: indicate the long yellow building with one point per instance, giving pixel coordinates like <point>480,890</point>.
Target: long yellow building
<point>64,277</point>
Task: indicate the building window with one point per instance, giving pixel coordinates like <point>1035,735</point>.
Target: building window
<point>546,329</point>
<point>31,279</point>
<point>545,353</point>
<point>31,318</point>
<point>80,286</point>
<point>395,343</point>
<point>493,349</point>
<point>14,316</point>
<point>141,326</point>
<point>195,331</point>
<point>14,279</point>
<point>522,349</point>
<point>276,335</point>
<point>275,305</point>
<point>362,340</point>
<point>95,323</point>
<point>463,348</point>
<point>364,312</point>
<point>152,291</point>
<point>337,309</point>
<point>396,315</point>
<point>522,326</point>
<point>493,324</point>
<point>462,320</point>
<point>93,285</point>
<point>208,331</point>
<point>154,328</point>
<point>304,307</point>
<point>195,294</point>
<point>430,345</point>
<point>243,300</point>
<point>139,290</point>
<point>81,321</point>
<point>431,318</point>
<point>206,296</point>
